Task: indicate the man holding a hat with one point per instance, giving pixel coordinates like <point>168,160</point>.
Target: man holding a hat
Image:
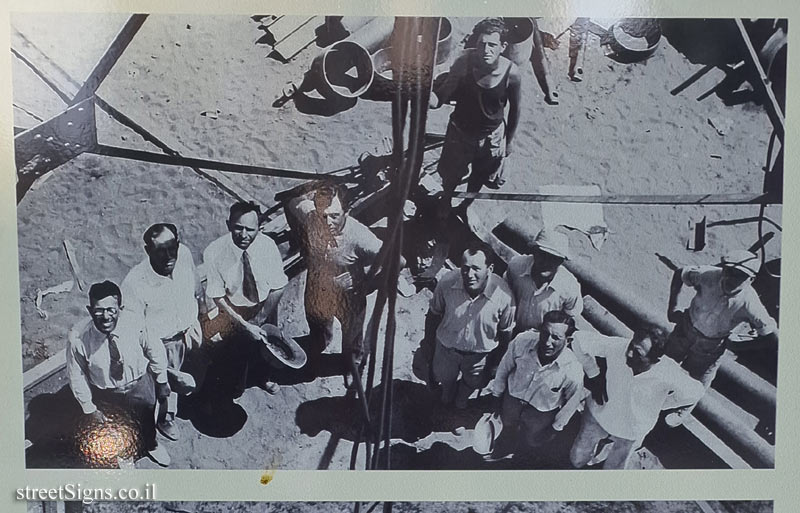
<point>724,298</point>
<point>538,383</point>
<point>245,282</point>
<point>541,284</point>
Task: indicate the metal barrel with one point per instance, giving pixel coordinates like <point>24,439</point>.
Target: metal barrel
<point>520,40</point>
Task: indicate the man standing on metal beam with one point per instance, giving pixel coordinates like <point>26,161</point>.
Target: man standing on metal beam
<point>482,82</point>
<point>471,315</point>
<point>628,397</point>
<point>724,298</point>
<point>540,283</point>
<point>163,291</point>
<point>117,373</point>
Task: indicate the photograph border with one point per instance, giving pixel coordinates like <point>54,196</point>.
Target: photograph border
<point>779,484</point>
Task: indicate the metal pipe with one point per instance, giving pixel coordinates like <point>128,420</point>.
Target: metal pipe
<point>710,410</point>
<point>633,310</point>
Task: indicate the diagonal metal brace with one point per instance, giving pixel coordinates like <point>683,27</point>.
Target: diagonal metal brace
<point>54,142</point>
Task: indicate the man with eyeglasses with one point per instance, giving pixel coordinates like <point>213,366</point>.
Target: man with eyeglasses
<point>114,368</point>
<point>163,291</point>
<point>538,384</point>
<point>724,298</point>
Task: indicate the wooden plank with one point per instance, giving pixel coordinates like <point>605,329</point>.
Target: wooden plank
<point>297,41</point>
<point>286,26</point>
<point>75,269</point>
<point>712,441</point>
<point>44,370</point>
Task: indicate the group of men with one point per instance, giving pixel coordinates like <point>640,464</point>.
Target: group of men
<point>129,356</point>
<point>548,369</point>
<point>515,332</point>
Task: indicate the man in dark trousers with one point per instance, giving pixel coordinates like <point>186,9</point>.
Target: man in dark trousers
<point>482,82</point>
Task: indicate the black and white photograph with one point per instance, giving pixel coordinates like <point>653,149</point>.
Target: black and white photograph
<point>399,243</point>
<point>405,507</point>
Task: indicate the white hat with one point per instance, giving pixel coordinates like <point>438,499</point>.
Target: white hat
<point>485,433</point>
<point>553,242</point>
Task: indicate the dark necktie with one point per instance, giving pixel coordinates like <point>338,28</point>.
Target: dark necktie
<point>116,369</point>
<point>249,289</point>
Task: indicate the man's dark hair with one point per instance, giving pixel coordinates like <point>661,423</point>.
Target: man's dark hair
<point>156,230</point>
<point>103,290</point>
<point>323,197</point>
<point>657,337</point>
<point>241,208</point>
<point>560,317</point>
<point>481,247</point>
<point>490,26</point>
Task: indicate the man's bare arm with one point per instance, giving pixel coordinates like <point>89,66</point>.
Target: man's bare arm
<point>674,290</point>
<point>251,329</point>
<point>514,102</point>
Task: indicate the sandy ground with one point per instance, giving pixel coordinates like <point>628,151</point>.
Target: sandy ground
<point>619,129</point>
<point>439,507</point>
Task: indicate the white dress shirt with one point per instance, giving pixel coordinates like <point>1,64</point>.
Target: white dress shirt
<point>225,272</point>
<point>168,305</point>
<point>89,358</point>
<point>634,401</point>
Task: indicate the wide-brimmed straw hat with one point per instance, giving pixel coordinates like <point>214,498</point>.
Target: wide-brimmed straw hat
<point>285,349</point>
<point>743,260</point>
<point>485,433</point>
<point>553,242</point>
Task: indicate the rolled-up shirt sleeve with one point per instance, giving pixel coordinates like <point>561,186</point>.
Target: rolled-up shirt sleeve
<point>156,356</point>
<point>215,284</point>
<point>759,318</point>
<point>437,305</point>
<point>504,369</point>
<point>685,392</point>
<point>587,345</point>
<point>77,373</point>
<point>506,323</point>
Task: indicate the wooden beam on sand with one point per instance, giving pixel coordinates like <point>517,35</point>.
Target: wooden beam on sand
<point>296,42</point>
<point>110,57</point>
<point>629,199</point>
<point>42,371</point>
<point>286,26</point>
<point>177,160</point>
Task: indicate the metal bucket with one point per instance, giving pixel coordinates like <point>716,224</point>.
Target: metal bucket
<point>520,40</point>
<point>347,70</point>
<point>445,41</point>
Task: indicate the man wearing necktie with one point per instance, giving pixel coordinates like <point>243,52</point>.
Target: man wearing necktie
<point>114,367</point>
<point>245,282</point>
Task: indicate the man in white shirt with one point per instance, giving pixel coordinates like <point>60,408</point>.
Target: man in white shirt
<point>245,281</point>
<point>723,299</point>
<point>115,370</point>
<point>163,290</point>
<point>538,384</point>
<point>541,283</point>
<point>470,315</point>
<point>639,383</point>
